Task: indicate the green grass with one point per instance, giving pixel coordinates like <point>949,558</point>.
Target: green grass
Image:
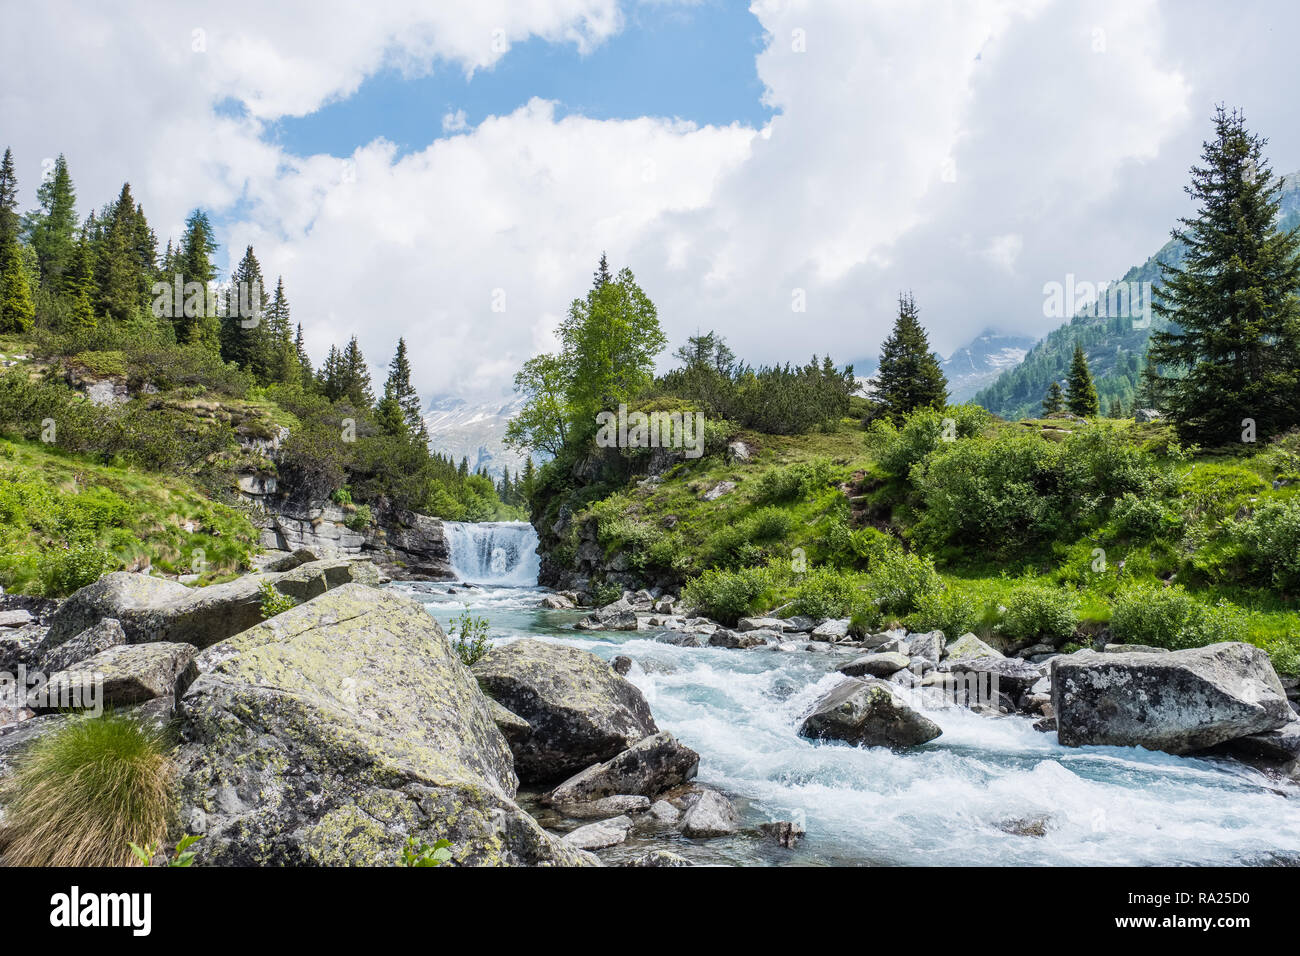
<point>81,795</point>
<point>59,512</point>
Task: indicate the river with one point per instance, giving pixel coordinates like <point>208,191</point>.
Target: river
<point>951,801</point>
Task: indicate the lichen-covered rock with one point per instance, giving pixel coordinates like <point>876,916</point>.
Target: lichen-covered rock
<point>1176,702</point>
<point>659,858</point>
<point>120,595</point>
<point>130,674</point>
<point>836,629</point>
<point>597,836</point>
<point>867,712</point>
<point>332,732</point>
<point>150,609</point>
<point>968,646</point>
<point>94,639</point>
<point>930,645</point>
<point>654,765</point>
<point>580,711</point>
<point>21,646</point>
<point>513,727</point>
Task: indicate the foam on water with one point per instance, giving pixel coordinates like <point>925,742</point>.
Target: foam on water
<point>938,804</point>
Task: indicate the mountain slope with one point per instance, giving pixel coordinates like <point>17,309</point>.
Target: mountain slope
<point>1115,344</point>
<point>474,430</point>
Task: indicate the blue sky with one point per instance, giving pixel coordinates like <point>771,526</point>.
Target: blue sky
<point>693,62</point>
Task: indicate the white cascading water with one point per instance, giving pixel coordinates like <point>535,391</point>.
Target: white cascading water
<point>493,552</point>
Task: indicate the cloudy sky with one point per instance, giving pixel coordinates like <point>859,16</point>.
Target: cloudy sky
<point>406,165</point>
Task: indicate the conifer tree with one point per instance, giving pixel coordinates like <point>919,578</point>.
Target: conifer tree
<point>243,338</point>
<point>909,376</point>
<point>602,273</point>
<point>279,362</point>
<point>17,311</point>
<point>9,222</point>
<point>1116,409</point>
<point>304,360</point>
<point>53,227</point>
<point>1233,353</point>
<point>198,246</point>
<point>1081,397</point>
<point>398,387</point>
<point>1054,400</point>
<point>79,285</point>
<point>355,376</point>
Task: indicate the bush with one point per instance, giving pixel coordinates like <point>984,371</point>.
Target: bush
<point>923,432</point>
<point>1036,611</point>
<point>69,569</point>
<point>82,794</point>
<point>273,602</point>
<point>1143,517</point>
<point>827,592</point>
<point>1170,617</point>
<point>899,580</point>
<point>469,638</point>
<point>951,610</point>
<point>999,493</point>
<point>1100,461</point>
<point>726,596</point>
<point>360,519</point>
<point>793,482</point>
<point>1271,537</point>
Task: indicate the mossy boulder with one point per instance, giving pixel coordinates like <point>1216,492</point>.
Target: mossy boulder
<point>579,710</point>
<point>331,733</point>
<point>119,676</point>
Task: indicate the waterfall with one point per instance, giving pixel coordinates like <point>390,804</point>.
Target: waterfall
<point>493,552</point>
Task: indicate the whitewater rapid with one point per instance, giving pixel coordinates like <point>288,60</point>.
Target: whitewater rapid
<point>948,802</point>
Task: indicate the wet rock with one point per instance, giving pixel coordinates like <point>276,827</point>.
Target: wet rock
<point>664,812</point>
<point>597,836</point>
<point>621,665</point>
<point>659,858</point>
<point>580,712</point>
<point>875,665</point>
<point>650,767</point>
<point>867,712</point>
<point>1176,702</point>
<point>94,639</point>
<point>784,833</point>
<point>556,602</point>
<point>617,805</point>
<point>332,732</point>
<point>711,815</point>
<point>799,624</point>
<point>1007,675</point>
<point>1035,826</point>
<point>723,637</point>
<point>682,638</point>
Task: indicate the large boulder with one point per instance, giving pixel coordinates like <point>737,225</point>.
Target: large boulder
<point>331,733</point>
<point>94,639</point>
<point>875,665</point>
<point>1177,702</point>
<point>1003,675</point>
<point>711,815</point>
<point>152,609</point>
<point>122,675</point>
<point>647,769</point>
<point>579,711</point>
<point>969,647</point>
<point>867,712</point>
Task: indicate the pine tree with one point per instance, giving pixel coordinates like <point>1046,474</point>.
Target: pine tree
<point>1082,394</point>
<point>529,480</point>
<point>280,361</point>
<point>17,313</point>
<point>79,285</point>
<point>399,388</point>
<point>355,376</point>
<point>195,265</point>
<point>602,273</point>
<point>909,376</point>
<point>243,338</point>
<point>1116,409</point>
<point>53,228</point>
<point>1054,401</point>
<point>1233,353</point>
<point>304,360</point>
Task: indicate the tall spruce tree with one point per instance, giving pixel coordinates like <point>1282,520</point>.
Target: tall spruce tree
<point>1081,397</point>
<point>1233,353</point>
<point>1054,400</point>
<point>243,322</point>
<point>17,312</point>
<point>53,227</point>
<point>909,376</point>
<point>306,376</point>
<point>398,387</point>
<point>198,246</point>
<point>279,359</point>
<point>355,376</point>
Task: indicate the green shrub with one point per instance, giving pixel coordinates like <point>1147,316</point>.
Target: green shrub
<point>273,602</point>
<point>418,853</point>
<point>1143,517</point>
<point>951,610</point>
<point>1170,617</point>
<point>827,592</point>
<point>923,432</point>
<point>1271,537</point>
<point>469,638</point>
<point>725,595</point>
<point>360,519</point>
<point>1036,611</point>
<point>768,524</point>
<point>1101,462</point>
<point>899,580</point>
<point>68,569</point>
<point>82,794</point>
<point>793,482</point>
